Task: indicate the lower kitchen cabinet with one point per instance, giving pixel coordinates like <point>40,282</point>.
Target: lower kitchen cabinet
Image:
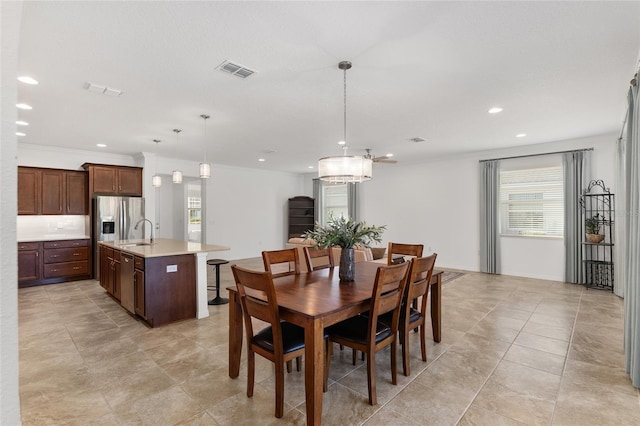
<point>29,264</point>
<point>51,262</point>
<point>138,282</point>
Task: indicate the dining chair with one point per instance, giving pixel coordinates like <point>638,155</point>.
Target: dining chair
<point>414,250</point>
<point>280,342</point>
<point>420,273</point>
<point>366,333</point>
<point>318,258</point>
<point>281,262</point>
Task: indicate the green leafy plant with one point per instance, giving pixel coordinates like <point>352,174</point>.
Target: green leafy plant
<point>346,233</point>
<point>592,224</point>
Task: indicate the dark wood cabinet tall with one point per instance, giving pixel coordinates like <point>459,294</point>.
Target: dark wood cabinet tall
<point>51,191</point>
<point>114,180</point>
<point>29,181</point>
<point>301,215</point>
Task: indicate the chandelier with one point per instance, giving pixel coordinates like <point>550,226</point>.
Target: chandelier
<point>176,176</point>
<point>345,168</point>
<point>205,168</point>
<point>156,180</point>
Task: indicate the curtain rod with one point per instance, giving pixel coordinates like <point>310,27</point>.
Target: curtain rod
<point>536,155</point>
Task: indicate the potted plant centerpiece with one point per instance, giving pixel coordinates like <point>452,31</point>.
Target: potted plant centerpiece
<point>345,233</point>
<point>592,226</point>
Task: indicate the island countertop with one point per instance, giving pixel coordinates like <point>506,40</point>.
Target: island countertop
<point>161,247</point>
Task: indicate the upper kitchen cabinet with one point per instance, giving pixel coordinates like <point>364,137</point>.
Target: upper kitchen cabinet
<point>114,180</point>
<point>51,192</point>
<point>29,182</point>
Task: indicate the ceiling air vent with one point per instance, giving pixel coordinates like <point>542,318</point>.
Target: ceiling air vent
<point>97,88</point>
<point>236,69</point>
<point>417,139</point>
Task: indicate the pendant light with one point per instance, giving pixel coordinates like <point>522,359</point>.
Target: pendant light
<point>177,174</point>
<point>205,168</point>
<point>156,180</point>
<point>345,168</point>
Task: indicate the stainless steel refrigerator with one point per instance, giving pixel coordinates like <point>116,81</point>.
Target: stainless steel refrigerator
<point>114,219</point>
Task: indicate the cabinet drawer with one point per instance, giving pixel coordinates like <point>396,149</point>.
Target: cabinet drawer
<point>66,254</point>
<point>66,243</point>
<point>138,263</point>
<point>57,270</point>
<point>28,246</point>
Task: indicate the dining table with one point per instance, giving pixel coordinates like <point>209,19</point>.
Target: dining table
<point>315,300</point>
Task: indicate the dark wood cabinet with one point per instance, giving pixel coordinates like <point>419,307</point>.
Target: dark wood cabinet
<point>110,271</point>
<point>75,184</point>
<point>301,215</point>
<point>29,264</point>
<point>29,181</point>
<point>51,262</point>
<point>114,180</point>
<point>51,192</point>
<point>138,282</point>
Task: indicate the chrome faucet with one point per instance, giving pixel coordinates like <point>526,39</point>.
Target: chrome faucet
<point>150,223</point>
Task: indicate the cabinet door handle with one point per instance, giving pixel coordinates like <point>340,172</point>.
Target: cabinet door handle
<point>76,254</point>
<point>54,270</point>
<point>76,268</point>
<point>54,255</point>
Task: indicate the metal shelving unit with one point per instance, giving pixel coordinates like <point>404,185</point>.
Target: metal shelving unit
<point>597,201</point>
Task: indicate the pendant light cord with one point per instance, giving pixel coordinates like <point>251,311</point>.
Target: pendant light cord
<point>205,117</point>
<point>345,111</point>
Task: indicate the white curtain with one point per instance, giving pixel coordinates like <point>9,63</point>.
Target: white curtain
<point>631,215</point>
<point>489,213</point>
<point>574,165</point>
<point>620,248</point>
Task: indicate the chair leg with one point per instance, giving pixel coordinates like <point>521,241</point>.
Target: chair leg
<point>394,368</point>
<point>289,366</point>
<point>251,364</point>
<point>353,356</point>
<point>279,389</point>
<point>423,342</point>
<point>327,364</point>
<point>298,363</point>
<point>404,342</point>
<point>371,376</point>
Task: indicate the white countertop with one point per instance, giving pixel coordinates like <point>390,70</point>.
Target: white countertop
<point>162,247</point>
<point>53,237</point>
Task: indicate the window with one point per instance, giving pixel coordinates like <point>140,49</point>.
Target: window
<point>335,201</point>
<point>194,210</point>
<point>532,202</point>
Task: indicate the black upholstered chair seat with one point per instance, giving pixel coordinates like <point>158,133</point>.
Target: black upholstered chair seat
<point>355,329</point>
<point>292,338</point>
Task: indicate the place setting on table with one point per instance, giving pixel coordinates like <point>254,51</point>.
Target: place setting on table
<point>306,310</point>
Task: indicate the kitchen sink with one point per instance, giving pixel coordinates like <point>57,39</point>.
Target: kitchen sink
<point>125,245</point>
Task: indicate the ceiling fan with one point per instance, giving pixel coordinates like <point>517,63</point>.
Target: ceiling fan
<point>382,159</point>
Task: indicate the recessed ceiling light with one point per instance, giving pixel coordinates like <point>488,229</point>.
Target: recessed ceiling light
<point>389,155</point>
<point>342,143</point>
<point>495,110</point>
<point>101,145</point>
<point>261,159</point>
<point>27,80</point>
<point>20,134</point>
<point>22,123</point>
<point>24,106</point>
<point>309,167</point>
<point>521,135</point>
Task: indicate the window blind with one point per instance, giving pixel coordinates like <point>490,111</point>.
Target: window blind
<point>531,202</point>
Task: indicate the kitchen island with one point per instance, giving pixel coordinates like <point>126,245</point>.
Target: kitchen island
<point>161,282</point>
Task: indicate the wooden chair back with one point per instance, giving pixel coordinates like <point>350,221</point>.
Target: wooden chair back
<point>414,250</point>
<point>281,262</point>
<point>318,258</point>
<point>251,285</point>
<point>388,291</point>
<point>419,277</point>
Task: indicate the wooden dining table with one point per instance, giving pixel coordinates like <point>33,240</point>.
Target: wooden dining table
<point>315,300</point>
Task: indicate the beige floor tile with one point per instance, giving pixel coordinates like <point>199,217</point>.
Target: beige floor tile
<point>541,343</point>
<point>387,416</point>
<point>169,406</point>
<point>534,358</point>
<point>476,416</point>
<point>530,382</point>
<point>559,333</point>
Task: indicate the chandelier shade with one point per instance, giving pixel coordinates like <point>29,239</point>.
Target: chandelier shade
<point>205,168</point>
<point>345,169</point>
<point>156,181</point>
<point>176,176</point>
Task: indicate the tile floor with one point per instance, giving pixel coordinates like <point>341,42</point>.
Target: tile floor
<point>514,351</point>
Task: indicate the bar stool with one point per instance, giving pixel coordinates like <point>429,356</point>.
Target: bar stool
<point>217,263</point>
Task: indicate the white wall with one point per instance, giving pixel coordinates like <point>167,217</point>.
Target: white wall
<point>10,13</point>
<point>436,204</point>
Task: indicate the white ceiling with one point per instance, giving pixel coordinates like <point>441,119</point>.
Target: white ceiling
<point>560,70</point>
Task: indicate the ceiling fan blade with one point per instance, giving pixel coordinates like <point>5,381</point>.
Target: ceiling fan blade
<point>384,159</point>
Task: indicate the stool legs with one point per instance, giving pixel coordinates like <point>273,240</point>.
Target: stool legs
<point>218,300</point>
